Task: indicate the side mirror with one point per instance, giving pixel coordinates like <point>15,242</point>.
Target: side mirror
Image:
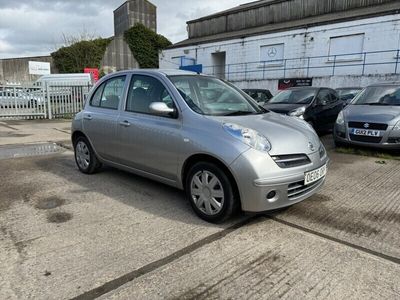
<point>161,109</point>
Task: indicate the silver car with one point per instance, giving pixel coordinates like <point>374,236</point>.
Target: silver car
<point>372,118</point>
<point>200,134</point>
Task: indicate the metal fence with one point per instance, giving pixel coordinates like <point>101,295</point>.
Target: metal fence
<point>365,63</point>
<point>40,101</point>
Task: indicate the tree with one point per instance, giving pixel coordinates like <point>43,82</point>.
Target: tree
<point>145,45</point>
<point>79,55</point>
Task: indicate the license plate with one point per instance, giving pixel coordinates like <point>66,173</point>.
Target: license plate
<point>315,175</point>
<point>366,132</point>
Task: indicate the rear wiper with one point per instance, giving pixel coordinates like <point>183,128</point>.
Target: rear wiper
<point>239,113</point>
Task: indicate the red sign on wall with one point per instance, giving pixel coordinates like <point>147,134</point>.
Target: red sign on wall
<point>94,72</point>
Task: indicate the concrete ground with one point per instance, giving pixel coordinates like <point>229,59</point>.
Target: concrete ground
<point>115,235</point>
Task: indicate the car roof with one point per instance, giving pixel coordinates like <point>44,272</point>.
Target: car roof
<point>166,72</point>
<point>307,88</point>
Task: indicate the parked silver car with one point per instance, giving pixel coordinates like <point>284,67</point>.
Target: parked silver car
<point>200,134</point>
<point>372,118</point>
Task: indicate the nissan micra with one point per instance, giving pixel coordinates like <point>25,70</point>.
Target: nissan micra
<point>200,134</point>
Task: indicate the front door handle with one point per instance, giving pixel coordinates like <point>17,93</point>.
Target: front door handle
<point>125,124</point>
<point>88,117</point>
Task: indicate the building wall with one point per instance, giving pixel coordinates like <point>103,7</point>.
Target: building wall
<point>380,34</point>
<point>16,70</point>
<point>133,12</point>
<point>262,13</point>
<point>118,56</point>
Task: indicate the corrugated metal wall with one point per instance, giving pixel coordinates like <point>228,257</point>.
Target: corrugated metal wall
<point>275,12</point>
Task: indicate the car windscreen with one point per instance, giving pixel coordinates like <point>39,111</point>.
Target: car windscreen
<point>347,94</point>
<point>303,96</point>
<point>379,95</point>
<point>212,96</point>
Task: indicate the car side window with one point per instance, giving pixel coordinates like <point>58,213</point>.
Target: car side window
<point>143,91</point>
<point>323,97</point>
<point>334,96</point>
<point>109,94</point>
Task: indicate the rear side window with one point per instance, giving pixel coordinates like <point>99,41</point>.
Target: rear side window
<point>109,94</point>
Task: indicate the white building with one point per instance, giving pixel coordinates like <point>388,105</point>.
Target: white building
<point>334,42</point>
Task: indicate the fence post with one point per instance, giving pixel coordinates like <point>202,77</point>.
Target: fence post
<point>397,61</point>
<point>48,100</point>
<point>365,58</point>
<point>245,71</point>
<point>334,65</point>
<point>308,67</point>
<point>227,77</point>
<point>44,100</point>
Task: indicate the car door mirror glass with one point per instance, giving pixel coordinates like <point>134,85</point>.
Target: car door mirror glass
<point>161,109</point>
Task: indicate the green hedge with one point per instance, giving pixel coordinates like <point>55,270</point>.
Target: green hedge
<point>145,45</point>
<point>84,54</point>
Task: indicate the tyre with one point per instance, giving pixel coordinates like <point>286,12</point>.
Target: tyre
<point>210,192</point>
<point>339,144</point>
<point>85,158</point>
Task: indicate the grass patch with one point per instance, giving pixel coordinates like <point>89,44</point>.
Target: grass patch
<point>390,155</point>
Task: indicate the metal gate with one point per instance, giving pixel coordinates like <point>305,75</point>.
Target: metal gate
<point>40,101</point>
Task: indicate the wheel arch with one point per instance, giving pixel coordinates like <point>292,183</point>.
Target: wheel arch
<point>192,160</point>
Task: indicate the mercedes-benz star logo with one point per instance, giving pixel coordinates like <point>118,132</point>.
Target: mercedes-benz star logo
<point>272,52</point>
<point>311,146</point>
<point>366,125</point>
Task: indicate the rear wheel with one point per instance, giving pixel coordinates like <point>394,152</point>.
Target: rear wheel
<point>85,158</point>
<point>210,192</point>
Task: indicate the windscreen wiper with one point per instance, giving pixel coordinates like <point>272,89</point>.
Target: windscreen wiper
<point>239,113</point>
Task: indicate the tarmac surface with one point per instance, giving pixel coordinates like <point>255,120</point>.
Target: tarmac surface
<point>115,235</point>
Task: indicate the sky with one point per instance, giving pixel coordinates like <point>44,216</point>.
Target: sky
<point>36,27</point>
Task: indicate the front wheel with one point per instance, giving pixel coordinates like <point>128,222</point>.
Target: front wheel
<point>85,158</point>
<point>210,192</point>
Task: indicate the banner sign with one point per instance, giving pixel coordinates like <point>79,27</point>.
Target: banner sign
<point>39,68</point>
<point>284,84</point>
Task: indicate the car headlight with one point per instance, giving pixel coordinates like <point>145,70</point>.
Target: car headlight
<point>298,112</point>
<point>248,136</point>
<point>397,126</point>
<point>340,118</point>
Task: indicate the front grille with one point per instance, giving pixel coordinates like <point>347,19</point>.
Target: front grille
<point>298,189</point>
<point>365,139</point>
<point>372,126</point>
<point>291,161</point>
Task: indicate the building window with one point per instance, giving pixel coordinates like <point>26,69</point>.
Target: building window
<point>272,54</point>
<point>348,47</point>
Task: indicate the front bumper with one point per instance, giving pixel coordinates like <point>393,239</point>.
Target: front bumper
<point>257,175</point>
<point>390,139</point>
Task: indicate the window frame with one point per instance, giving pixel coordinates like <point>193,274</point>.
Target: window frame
<point>346,57</point>
<point>131,80</point>
<point>102,86</point>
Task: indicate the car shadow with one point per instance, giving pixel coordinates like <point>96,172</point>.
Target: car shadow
<point>143,194</point>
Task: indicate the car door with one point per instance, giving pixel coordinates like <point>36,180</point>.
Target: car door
<point>322,109</point>
<point>336,106</point>
<point>101,115</point>
<point>149,142</point>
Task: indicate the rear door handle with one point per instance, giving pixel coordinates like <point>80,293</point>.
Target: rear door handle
<point>88,117</point>
<point>125,123</point>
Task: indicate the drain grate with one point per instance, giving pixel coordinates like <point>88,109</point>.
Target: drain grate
<point>29,150</point>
